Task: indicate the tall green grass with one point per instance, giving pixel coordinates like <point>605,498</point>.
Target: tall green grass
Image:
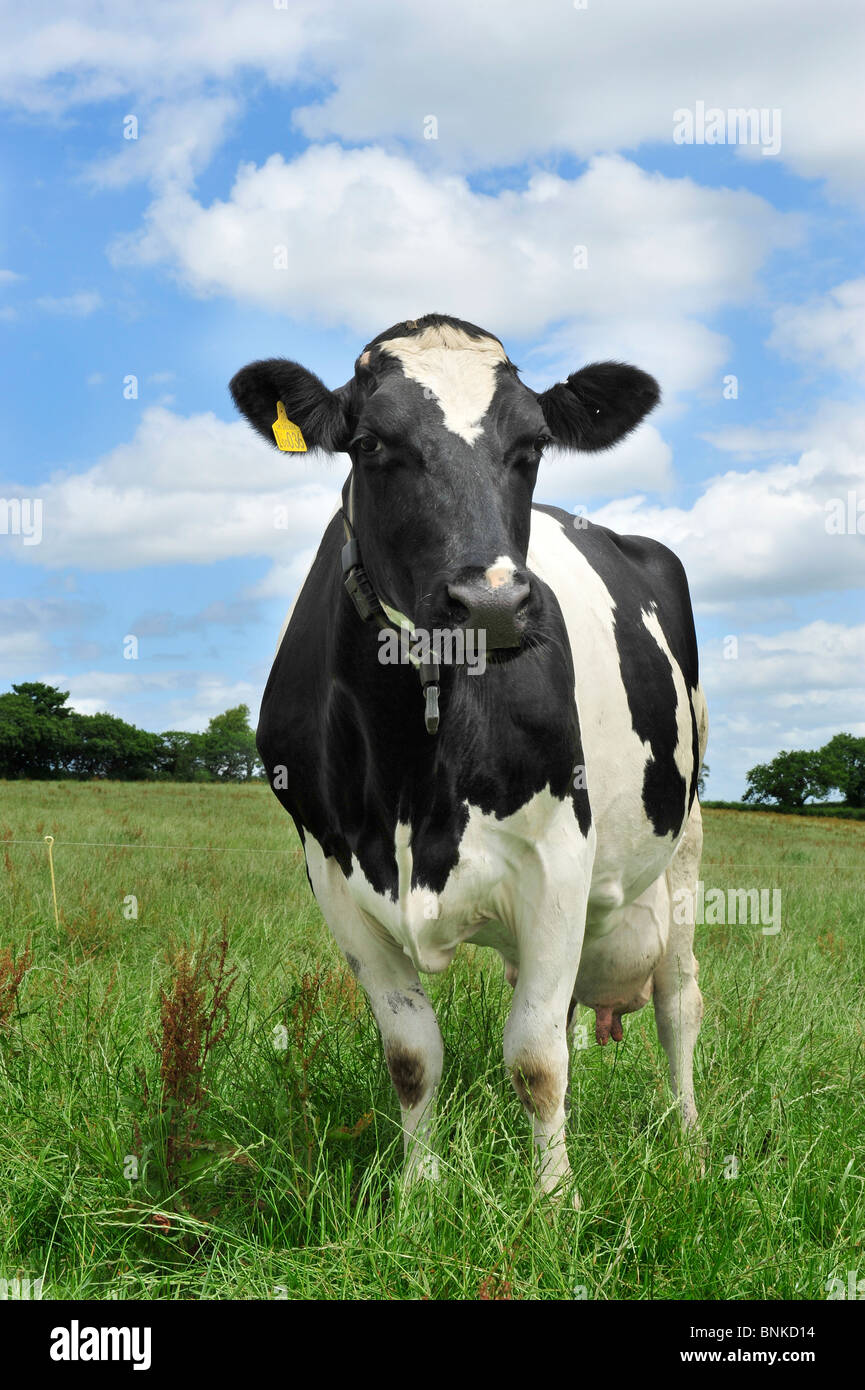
<point>288,1185</point>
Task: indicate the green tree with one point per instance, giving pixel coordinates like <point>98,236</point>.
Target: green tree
<point>843,762</point>
<point>790,778</point>
<point>701,780</point>
<point>229,745</point>
<point>101,745</point>
<point>34,730</point>
<point>180,756</point>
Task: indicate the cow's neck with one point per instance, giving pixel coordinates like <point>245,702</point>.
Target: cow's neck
<point>504,733</point>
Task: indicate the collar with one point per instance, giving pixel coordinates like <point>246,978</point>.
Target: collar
<point>370,609</point>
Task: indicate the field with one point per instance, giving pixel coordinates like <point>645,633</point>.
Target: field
<point>120,1179</point>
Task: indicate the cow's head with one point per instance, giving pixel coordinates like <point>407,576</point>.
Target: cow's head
<point>445,442</point>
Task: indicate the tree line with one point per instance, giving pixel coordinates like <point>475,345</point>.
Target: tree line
<point>792,777</point>
<point>42,737</point>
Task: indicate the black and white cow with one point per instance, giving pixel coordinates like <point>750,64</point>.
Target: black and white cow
<point>553,813</point>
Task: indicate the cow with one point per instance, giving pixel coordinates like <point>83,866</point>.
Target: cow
<point>542,802</point>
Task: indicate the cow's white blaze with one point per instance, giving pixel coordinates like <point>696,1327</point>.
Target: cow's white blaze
<point>500,572</point>
<point>459,371</point>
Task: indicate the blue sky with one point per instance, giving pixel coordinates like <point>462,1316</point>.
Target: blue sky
<point>306,128</point>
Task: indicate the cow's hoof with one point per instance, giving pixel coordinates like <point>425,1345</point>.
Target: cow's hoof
<point>561,1198</point>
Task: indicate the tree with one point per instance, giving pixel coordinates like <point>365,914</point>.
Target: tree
<point>229,745</point>
<point>790,778</point>
<point>843,762</point>
<point>701,780</point>
<point>101,745</point>
<point>41,736</point>
<point>180,756</point>
<point>34,730</point>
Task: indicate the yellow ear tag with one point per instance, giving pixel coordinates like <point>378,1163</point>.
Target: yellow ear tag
<point>287,434</point>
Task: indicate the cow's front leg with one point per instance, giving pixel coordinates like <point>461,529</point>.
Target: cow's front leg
<point>409,1033</point>
<point>408,1026</point>
<point>535,1041</point>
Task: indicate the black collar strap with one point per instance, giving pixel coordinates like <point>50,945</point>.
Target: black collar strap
<point>369,608</point>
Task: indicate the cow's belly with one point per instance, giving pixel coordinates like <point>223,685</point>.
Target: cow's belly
<point>507,867</point>
<point>630,854</point>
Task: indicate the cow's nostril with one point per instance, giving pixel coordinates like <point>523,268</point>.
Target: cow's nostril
<point>459,608</point>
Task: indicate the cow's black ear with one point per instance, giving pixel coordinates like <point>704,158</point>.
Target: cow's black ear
<point>322,415</point>
<point>598,405</point>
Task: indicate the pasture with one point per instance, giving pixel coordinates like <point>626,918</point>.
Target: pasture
<point>275,1173</point>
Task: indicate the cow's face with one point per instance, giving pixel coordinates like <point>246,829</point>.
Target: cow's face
<point>445,443</point>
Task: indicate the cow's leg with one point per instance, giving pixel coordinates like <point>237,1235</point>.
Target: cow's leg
<point>677,998</point>
<point>535,1040</point>
<point>408,1026</point>
<point>411,1040</point>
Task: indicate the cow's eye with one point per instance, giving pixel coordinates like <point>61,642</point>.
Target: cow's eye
<point>368,444</point>
<point>541,442</point>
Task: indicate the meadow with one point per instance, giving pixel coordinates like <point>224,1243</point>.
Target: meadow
<point>194,1103</point>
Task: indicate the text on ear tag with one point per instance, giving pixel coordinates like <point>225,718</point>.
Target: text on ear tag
<point>286,433</point>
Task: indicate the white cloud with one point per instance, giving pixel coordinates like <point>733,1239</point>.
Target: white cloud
<point>643,460</point>
<point>370,238</point>
<point>682,354</point>
<point>827,331</point>
<point>795,669</point>
<point>79,305</point>
<point>92,52</point>
<point>155,700</point>
<point>175,141</point>
<point>504,85</point>
<point>183,490</point>
<point>791,689</point>
<point>21,650</point>
<point>761,533</point>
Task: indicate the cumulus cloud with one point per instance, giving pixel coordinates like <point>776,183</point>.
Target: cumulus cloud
<point>174,141</point>
<point>183,700</point>
<point>790,689</point>
<point>764,532</point>
<point>92,52</point>
<point>183,490</point>
<point>293,236</point>
<point>503,84</point>
<point>827,331</point>
<point>643,460</point>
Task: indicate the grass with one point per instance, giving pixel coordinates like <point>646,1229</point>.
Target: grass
<point>274,1172</point>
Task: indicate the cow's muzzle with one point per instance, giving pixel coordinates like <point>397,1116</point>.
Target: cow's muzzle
<point>499,612</point>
